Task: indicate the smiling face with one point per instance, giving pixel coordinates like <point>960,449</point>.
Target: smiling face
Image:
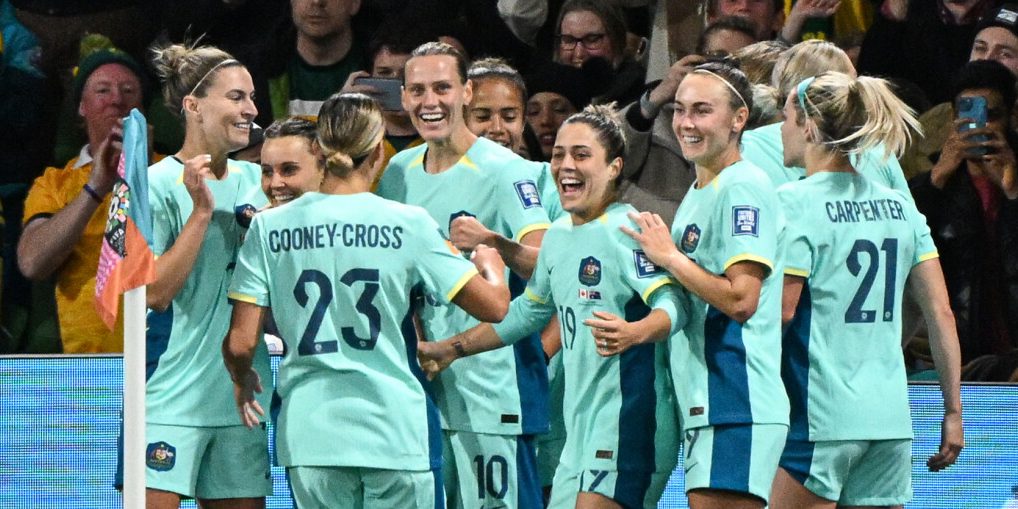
<point>496,112</point>
<point>434,96</point>
<point>289,169</point>
<point>545,113</point>
<point>225,114</point>
<point>109,94</point>
<point>704,122</point>
<point>584,177</point>
<point>583,36</point>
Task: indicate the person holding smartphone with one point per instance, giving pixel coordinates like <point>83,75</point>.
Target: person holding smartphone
<point>970,199</point>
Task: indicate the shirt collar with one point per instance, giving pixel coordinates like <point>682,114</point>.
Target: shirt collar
<point>84,157</point>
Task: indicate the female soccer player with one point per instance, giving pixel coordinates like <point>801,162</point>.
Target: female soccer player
<point>290,165</point>
<point>201,203</point>
<point>337,268</point>
<point>622,440</point>
<point>851,244</point>
<point>726,366</point>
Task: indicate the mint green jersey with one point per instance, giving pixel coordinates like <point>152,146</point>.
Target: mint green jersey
<point>337,272</point>
<point>189,385</point>
<point>619,411</point>
<point>762,147</point>
<point>503,392</point>
<point>549,191</point>
<point>855,242</point>
<point>726,372</point>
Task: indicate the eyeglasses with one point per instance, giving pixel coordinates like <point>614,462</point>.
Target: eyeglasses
<point>589,41</point>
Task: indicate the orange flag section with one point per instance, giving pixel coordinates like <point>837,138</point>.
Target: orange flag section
<point>125,273</point>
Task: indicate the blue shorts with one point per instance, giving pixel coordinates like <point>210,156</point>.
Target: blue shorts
<point>737,457</point>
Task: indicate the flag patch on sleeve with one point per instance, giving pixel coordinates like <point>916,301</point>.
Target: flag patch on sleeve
<point>745,220</point>
<point>527,192</point>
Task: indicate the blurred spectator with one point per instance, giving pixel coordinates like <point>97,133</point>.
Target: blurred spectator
<point>757,60</point>
<point>592,33</point>
<point>766,16</point>
<point>809,19</point>
<point>65,212</point>
<point>556,91</point>
<point>387,54</point>
<point>326,54</point>
<point>496,106</point>
<point>996,39</point>
<point>656,175</point>
<point>725,36</point>
<point>970,199</point>
<point>922,41</point>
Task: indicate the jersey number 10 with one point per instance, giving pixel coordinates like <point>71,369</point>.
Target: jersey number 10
<point>308,341</point>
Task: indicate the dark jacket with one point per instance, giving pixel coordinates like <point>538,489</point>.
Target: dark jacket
<point>954,215</point>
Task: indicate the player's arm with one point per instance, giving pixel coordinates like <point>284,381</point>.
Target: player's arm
<point>485,296</point>
<point>614,335</point>
<point>466,233</point>
<point>926,282</point>
<point>174,266</point>
<point>790,297</point>
<point>47,241</point>
<point>238,354</point>
<point>736,292</point>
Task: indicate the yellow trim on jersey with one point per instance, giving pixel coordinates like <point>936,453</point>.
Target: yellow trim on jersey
<point>532,228</point>
<point>533,296</point>
<point>242,297</point>
<point>789,271</point>
<point>652,288</point>
<point>418,160</point>
<point>460,284</point>
<point>465,161</point>
<point>748,257</point>
<point>929,256</point>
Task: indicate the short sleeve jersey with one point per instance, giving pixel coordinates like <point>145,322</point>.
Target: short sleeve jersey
<point>762,147</point>
<point>726,372</point>
<point>337,272</point>
<point>855,242</point>
<point>189,385</point>
<point>503,391</point>
<point>618,410</point>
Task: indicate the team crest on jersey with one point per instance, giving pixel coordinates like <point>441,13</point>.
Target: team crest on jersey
<point>644,267</point>
<point>690,238</point>
<point>585,294</point>
<point>160,456</point>
<point>527,191</point>
<point>245,213</point>
<point>745,220</point>
<point>590,271</point>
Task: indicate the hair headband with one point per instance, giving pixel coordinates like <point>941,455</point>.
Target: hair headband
<point>727,84</point>
<point>228,61</point>
<point>800,91</point>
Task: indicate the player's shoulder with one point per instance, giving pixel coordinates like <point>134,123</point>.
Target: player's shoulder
<point>406,157</point>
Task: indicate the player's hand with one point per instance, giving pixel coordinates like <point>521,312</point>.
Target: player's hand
<point>107,160</point>
<point>664,92</point>
<point>196,170</point>
<point>466,233</point>
<point>952,440</point>
<point>434,357</point>
<point>488,262</point>
<point>815,8</point>
<point>654,237</point>
<point>244,394</point>
<point>612,334</point>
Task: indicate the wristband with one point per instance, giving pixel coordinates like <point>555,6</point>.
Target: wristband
<point>91,192</point>
<point>460,351</point>
<point>647,107</point>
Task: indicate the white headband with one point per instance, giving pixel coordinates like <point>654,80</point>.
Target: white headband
<point>727,84</point>
<point>228,61</point>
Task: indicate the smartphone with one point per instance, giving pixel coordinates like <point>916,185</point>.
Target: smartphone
<point>973,108</point>
<point>387,91</point>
